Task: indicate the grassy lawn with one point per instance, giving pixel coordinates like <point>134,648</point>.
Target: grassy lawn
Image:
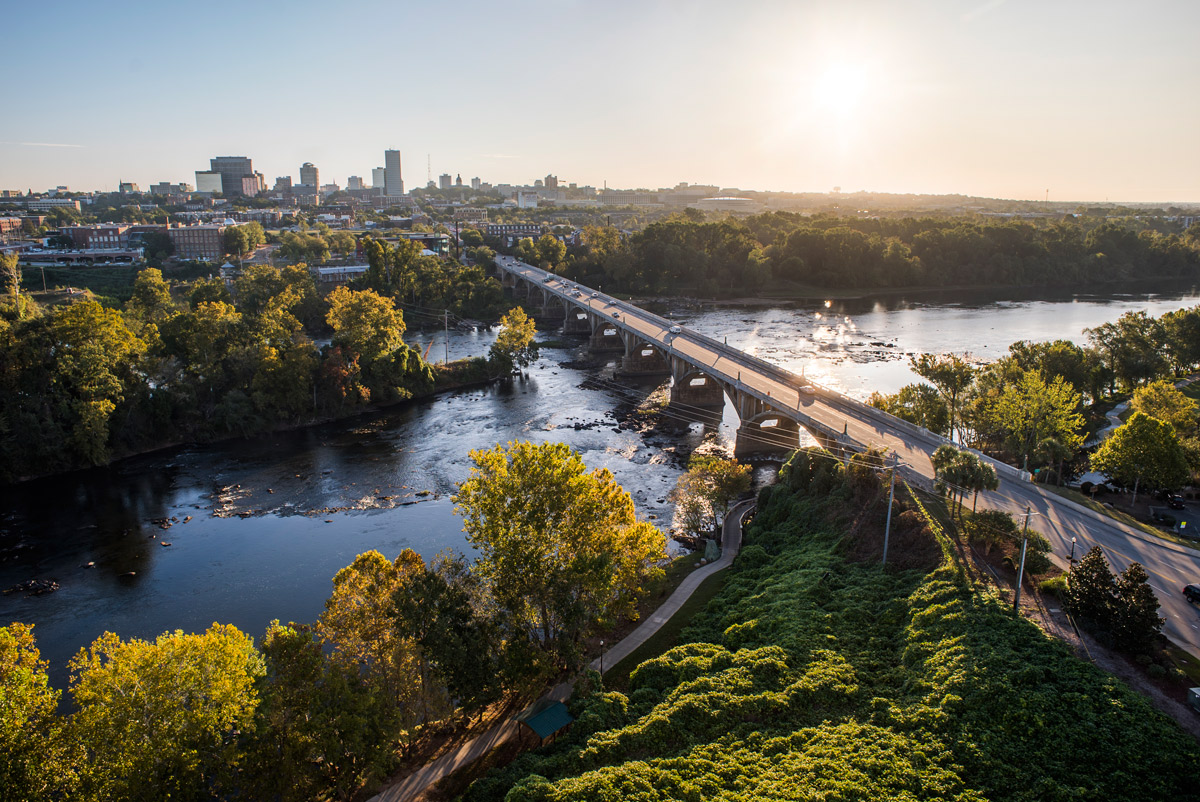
<point>667,636</point>
<point>1117,515</point>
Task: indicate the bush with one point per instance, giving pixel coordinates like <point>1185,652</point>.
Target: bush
<point>1055,586</point>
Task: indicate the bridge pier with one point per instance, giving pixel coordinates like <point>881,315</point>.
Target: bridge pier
<point>767,434</point>
<point>606,337</point>
<point>576,322</point>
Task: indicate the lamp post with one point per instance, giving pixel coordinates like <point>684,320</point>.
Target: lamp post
<point>1072,559</point>
<point>602,657</point>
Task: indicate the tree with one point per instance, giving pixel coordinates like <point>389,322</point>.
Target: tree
<point>235,240</point>
<point>358,624</point>
<point>514,347</point>
<point>443,609</point>
<point>1091,590</point>
<point>1160,399</point>
<point>1031,409</point>
<point>365,323</point>
<point>920,404</point>
<point>721,479</point>
<point>951,375</point>
<point>1136,623</point>
<point>341,243</point>
<point>1144,450</point>
<point>33,752</point>
<point>10,273</point>
<point>158,719</point>
<point>560,547</point>
<point>151,300</point>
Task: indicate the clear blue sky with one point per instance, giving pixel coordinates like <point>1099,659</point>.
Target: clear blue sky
<point>1090,100</point>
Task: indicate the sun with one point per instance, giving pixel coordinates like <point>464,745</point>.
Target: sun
<point>840,88</point>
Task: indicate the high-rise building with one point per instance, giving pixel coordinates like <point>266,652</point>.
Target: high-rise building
<point>393,182</point>
<point>378,178</point>
<point>208,181</point>
<point>310,175</point>
<point>283,183</point>
<point>354,182</point>
<point>232,169</point>
<point>475,182</point>
<point>551,182</point>
<point>444,181</point>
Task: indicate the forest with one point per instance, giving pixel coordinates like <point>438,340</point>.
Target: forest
<point>83,382</point>
<point>777,252</point>
<point>817,674</point>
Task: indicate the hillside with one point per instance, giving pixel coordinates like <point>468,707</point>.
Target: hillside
<point>815,676</point>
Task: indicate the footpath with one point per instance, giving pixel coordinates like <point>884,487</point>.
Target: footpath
<point>416,783</point>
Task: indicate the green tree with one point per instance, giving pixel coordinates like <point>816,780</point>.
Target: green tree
<point>920,404</point>
<point>235,241</point>
<point>951,375</point>
<point>365,323</point>
<point>1091,590</point>
<point>151,300</point>
<point>34,763</point>
<point>10,273</point>
<point>514,347</point>
<point>722,479</point>
<point>1144,450</point>
<point>560,547</point>
<point>341,243</point>
<point>1136,624</point>
<point>1031,409</point>
<point>1160,399</point>
<point>159,719</point>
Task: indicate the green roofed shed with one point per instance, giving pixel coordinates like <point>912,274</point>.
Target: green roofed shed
<point>545,718</point>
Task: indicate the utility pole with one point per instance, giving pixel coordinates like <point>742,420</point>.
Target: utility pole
<point>446,325</point>
<point>1021,570</point>
<point>887,529</point>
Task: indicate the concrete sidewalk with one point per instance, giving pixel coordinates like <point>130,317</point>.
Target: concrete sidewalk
<point>477,747</point>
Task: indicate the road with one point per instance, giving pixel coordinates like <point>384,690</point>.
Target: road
<point>1169,566</point>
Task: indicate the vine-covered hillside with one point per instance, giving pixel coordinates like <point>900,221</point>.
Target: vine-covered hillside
<point>815,676</point>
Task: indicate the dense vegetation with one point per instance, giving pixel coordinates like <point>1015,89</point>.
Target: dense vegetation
<point>318,711</point>
<point>1035,405</point>
<point>771,251</point>
<point>82,382</point>
<point>814,676</point>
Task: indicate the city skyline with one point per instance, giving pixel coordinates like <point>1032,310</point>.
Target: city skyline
<point>996,99</point>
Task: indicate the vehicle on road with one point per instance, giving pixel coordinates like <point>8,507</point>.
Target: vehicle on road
<point>675,330</point>
<point>616,315</point>
<point>1191,593</point>
<point>547,279</point>
<point>807,389</point>
<point>595,294</point>
<point>576,294</point>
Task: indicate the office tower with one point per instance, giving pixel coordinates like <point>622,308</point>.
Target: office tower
<point>475,182</point>
<point>551,182</point>
<point>232,169</point>
<point>444,181</point>
<point>393,182</point>
<point>310,175</point>
<point>378,178</point>
<point>354,182</point>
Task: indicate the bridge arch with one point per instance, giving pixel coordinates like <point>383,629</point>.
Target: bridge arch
<point>644,359</point>
<point>606,336</point>
<point>695,388</point>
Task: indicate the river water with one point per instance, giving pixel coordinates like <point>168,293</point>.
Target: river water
<point>258,528</point>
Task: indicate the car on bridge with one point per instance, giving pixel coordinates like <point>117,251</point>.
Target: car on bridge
<point>675,330</point>
<point>1191,593</point>
<point>617,315</point>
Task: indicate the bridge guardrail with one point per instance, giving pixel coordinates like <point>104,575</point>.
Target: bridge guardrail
<point>795,381</point>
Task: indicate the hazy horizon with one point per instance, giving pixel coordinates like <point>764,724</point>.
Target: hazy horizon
<point>989,99</point>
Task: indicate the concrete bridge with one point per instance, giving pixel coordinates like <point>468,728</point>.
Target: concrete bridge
<point>774,404</point>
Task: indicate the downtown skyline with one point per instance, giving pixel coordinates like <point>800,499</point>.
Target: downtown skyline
<point>996,99</point>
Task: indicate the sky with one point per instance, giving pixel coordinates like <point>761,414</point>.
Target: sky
<point>1024,99</point>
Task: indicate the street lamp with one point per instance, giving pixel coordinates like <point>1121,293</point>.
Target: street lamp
<point>602,657</point>
<point>1072,552</point>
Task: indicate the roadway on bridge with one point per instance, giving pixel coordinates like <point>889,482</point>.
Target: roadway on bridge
<point>1170,566</point>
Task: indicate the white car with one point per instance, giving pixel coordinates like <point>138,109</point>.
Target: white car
<point>675,330</point>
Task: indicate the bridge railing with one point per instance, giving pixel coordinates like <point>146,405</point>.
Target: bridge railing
<point>848,404</point>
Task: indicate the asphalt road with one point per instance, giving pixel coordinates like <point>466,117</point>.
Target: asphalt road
<point>1169,566</point>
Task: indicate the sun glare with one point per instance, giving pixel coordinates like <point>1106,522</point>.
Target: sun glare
<point>840,88</point>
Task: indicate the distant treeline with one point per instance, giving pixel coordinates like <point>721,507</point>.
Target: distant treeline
<point>771,250</point>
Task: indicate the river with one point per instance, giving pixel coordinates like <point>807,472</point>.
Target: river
<point>257,528</point>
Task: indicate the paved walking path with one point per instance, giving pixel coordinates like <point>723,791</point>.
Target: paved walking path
<point>477,747</point>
